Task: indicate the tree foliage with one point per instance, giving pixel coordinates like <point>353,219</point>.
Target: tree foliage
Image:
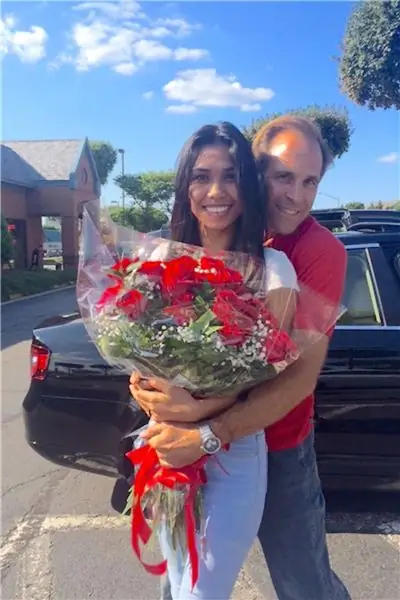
<point>151,194</point>
<point>396,205</point>
<point>144,221</point>
<point>152,188</point>
<point>334,123</point>
<point>354,206</point>
<point>7,246</point>
<point>369,68</point>
<point>105,157</point>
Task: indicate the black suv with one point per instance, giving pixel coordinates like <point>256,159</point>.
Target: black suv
<point>78,408</point>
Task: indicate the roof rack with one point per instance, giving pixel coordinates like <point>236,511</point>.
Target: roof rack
<point>375,226</point>
<point>362,220</point>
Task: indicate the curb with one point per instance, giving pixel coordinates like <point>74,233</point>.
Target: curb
<point>60,289</point>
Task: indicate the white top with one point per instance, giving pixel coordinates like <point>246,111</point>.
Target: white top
<point>280,272</point>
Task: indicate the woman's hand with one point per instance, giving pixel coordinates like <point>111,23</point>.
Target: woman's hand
<point>165,402</point>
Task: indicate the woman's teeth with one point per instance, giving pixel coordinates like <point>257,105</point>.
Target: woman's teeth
<point>217,209</point>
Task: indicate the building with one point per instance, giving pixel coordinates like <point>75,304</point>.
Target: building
<point>42,178</point>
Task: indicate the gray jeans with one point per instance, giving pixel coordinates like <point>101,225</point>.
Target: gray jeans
<point>292,532</point>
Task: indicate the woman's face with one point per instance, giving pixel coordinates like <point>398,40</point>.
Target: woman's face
<point>213,191</point>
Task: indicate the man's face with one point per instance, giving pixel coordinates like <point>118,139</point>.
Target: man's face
<point>293,174</point>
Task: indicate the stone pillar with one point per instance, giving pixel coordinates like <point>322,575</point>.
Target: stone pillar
<point>69,239</point>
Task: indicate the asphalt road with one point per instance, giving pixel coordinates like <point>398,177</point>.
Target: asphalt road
<point>62,541</point>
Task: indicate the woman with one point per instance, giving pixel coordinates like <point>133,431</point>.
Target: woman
<point>219,205</point>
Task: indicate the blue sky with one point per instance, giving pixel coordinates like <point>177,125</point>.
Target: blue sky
<point>146,76</point>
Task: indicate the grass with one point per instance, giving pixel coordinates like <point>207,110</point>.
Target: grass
<point>19,283</point>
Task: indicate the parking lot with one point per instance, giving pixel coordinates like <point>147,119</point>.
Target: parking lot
<point>62,541</point>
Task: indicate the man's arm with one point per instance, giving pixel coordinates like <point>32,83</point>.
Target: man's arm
<point>321,267</point>
<point>271,401</point>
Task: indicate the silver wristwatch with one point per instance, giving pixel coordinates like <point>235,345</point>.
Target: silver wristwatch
<point>210,443</point>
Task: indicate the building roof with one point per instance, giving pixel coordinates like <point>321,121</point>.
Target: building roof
<point>28,162</point>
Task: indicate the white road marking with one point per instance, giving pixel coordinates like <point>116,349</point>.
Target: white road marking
<point>64,522</point>
<point>14,540</point>
<point>34,581</point>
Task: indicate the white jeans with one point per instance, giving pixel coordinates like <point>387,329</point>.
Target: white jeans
<point>234,500</point>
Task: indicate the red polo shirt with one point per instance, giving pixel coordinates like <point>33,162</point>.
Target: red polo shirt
<point>320,261</point>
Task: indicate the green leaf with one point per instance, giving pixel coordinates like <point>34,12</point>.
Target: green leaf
<point>212,329</point>
<point>202,322</point>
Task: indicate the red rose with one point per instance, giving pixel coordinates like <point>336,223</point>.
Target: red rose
<point>132,304</point>
<point>152,268</point>
<point>278,345</point>
<point>236,324</point>
<point>181,308</point>
<point>215,272</point>
<point>122,265</point>
<point>109,295</point>
<point>178,273</point>
<point>243,304</point>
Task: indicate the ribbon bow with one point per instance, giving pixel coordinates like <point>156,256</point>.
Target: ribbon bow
<point>151,473</point>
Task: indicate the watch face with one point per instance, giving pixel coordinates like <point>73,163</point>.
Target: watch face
<point>211,445</point>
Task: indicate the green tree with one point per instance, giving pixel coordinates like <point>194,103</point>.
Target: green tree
<point>7,246</point>
<point>354,205</point>
<point>151,194</point>
<point>396,205</point>
<point>334,123</point>
<point>369,67</point>
<point>377,205</point>
<point>144,221</point>
<point>105,157</point>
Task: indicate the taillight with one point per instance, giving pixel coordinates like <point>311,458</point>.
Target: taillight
<point>40,358</point>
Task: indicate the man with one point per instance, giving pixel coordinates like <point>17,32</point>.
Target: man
<point>293,159</point>
<point>34,259</point>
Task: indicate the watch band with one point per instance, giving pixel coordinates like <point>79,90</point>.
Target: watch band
<point>210,443</point>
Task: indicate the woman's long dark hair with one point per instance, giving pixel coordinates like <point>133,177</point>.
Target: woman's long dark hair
<point>251,225</point>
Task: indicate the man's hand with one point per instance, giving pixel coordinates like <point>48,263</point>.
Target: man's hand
<point>165,402</point>
<point>177,446</point>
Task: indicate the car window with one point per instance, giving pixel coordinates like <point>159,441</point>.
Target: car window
<point>360,297</point>
<point>396,263</point>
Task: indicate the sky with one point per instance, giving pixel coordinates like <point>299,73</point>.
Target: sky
<point>145,76</point>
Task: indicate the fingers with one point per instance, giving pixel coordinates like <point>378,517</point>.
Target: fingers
<point>153,403</point>
<point>151,431</point>
<point>134,378</point>
<point>161,385</point>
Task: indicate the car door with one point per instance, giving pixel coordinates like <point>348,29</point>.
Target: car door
<point>358,416</point>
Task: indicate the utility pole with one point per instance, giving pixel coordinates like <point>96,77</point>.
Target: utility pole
<point>122,153</point>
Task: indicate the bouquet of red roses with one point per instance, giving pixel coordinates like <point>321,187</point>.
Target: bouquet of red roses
<point>202,322</point>
<point>195,322</point>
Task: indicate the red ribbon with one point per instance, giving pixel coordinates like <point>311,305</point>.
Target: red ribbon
<point>151,473</point>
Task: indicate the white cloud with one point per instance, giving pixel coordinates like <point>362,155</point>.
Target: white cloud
<point>147,50</point>
<point>121,36</point>
<point>29,46</point>
<point>178,27</point>
<point>148,95</point>
<point>122,9</point>
<point>205,87</point>
<point>391,158</point>
<point>126,68</point>
<point>182,109</point>
<point>190,53</point>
